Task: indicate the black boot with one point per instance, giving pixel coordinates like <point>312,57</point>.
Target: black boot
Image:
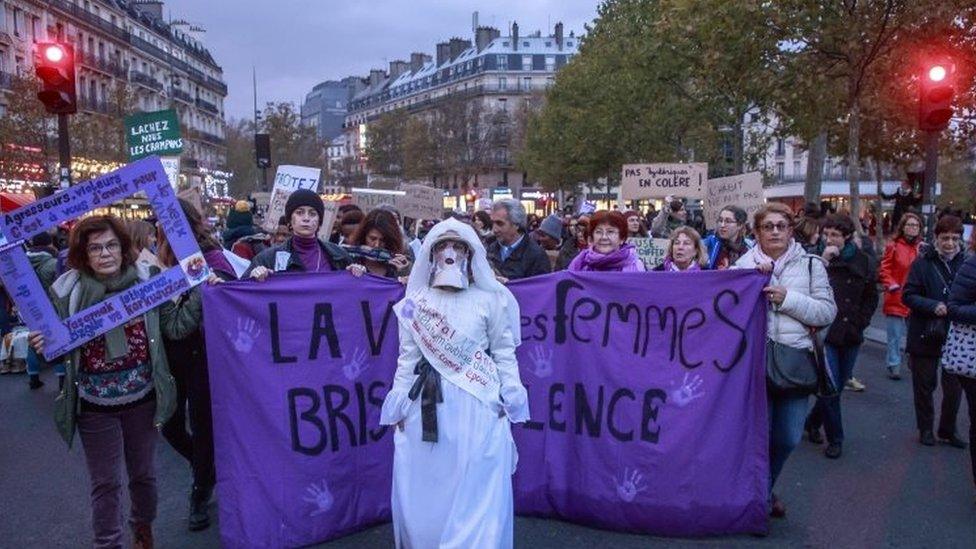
<point>35,382</point>
<point>199,513</point>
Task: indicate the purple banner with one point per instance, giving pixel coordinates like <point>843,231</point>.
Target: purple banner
<point>31,298</point>
<point>647,397</point>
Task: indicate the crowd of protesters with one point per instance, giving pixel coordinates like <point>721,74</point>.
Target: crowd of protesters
<point>825,284</point>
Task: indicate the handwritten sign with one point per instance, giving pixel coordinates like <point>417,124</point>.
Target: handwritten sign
<point>744,191</point>
<point>421,202</point>
<point>661,180</point>
<point>153,133</point>
<point>328,218</point>
<point>288,179</point>
<point>367,199</point>
<point>650,250</point>
<point>30,296</point>
<point>194,196</point>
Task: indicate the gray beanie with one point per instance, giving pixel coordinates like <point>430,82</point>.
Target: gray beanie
<point>552,226</point>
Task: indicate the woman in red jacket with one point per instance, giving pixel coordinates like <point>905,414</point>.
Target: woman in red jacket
<point>898,257</point>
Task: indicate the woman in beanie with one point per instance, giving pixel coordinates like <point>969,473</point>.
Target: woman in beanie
<point>303,251</point>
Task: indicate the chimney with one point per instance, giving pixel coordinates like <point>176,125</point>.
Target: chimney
<point>559,35</point>
<point>484,35</point>
<point>515,36</point>
<point>443,53</point>
<point>458,46</point>
<point>375,75</point>
<point>417,61</point>
<point>150,7</point>
<point>398,67</point>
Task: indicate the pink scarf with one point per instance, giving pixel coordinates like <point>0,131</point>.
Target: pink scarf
<point>625,259</point>
<point>670,266</point>
<point>792,252</point>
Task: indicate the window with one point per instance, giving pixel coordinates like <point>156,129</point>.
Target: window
<point>502,61</point>
<point>16,21</point>
<point>779,171</point>
<point>780,146</point>
<point>526,62</point>
<point>549,81</point>
<point>796,168</point>
<point>527,83</point>
<point>502,83</point>
<point>550,63</point>
<point>548,44</point>
<point>525,44</point>
<point>569,44</point>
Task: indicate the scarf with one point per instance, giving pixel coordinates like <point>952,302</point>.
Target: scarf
<point>792,252</point>
<point>731,250</point>
<point>670,266</point>
<point>92,291</point>
<point>623,259</point>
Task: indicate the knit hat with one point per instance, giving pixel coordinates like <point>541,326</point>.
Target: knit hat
<point>304,197</point>
<point>552,226</point>
<point>42,239</point>
<point>240,215</point>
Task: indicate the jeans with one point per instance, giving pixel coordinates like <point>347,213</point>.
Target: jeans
<point>969,387</point>
<point>925,378</point>
<point>786,415</point>
<point>34,362</point>
<point>109,439</point>
<point>896,328</point>
<point>826,411</point>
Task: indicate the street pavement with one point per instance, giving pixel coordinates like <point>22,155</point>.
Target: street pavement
<point>886,491</point>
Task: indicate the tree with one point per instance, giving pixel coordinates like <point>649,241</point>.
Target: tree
<point>239,137</point>
<point>291,141</point>
<point>24,133</point>
<point>384,143</point>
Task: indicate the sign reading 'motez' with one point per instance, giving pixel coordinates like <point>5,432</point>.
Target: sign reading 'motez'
<point>153,133</point>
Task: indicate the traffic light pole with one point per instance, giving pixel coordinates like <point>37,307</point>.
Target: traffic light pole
<point>64,151</point>
<point>931,174</point>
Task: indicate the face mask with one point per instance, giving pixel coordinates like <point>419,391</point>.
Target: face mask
<point>450,270</point>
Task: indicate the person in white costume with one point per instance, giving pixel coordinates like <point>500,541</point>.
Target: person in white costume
<point>455,393</point>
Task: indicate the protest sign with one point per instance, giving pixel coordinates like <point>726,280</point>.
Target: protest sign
<point>367,199</point>
<point>153,133</point>
<point>744,191</point>
<point>661,180</point>
<point>31,298</point>
<point>171,165</point>
<point>288,179</point>
<point>638,399</point>
<point>421,202</point>
<point>650,250</point>
<point>328,218</point>
<point>193,195</point>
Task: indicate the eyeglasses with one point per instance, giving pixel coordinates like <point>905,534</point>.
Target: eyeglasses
<point>600,233</point>
<point>112,247</point>
<point>771,227</point>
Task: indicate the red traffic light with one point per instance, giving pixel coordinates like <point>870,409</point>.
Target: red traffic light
<point>54,65</point>
<point>937,73</point>
<point>54,53</point>
<point>935,97</point>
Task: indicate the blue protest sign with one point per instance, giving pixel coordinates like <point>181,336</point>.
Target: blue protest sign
<point>36,309</point>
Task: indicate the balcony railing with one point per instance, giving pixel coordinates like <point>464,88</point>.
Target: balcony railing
<point>145,80</point>
<point>181,95</point>
<point>211,138</point>
<point>207,106</point>
<point>92,104</point>
<point>100,64</point>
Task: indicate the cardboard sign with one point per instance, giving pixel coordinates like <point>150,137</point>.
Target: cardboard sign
<point>171,165</point>
<point>193,195</point>
<point>153,133</point>
<point>288,179</point>
<point>744,191</point>
<point>21,282</point>
<point>650,250</point>
<point>328,218</point>
<point>367,199</point>
<point>421,202</point>
<point>661,180</point>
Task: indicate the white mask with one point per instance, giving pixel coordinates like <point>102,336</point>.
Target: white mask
<point>450,269</point>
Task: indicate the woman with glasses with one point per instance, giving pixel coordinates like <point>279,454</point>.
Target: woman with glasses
<point>799,298</point>
<point>118,389</point>
<point>898,257</point>
<point>609,249</point>
<point>729,242</point>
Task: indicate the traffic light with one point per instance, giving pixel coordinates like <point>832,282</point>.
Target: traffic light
<point>935,100</point>
<point>55,66</point>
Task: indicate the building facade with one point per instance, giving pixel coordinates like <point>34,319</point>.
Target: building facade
<point>129,44</point>
<point>325,107</point>
<point>501,74</point>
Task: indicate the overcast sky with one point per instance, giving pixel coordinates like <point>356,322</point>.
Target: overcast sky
<point>295,44</point>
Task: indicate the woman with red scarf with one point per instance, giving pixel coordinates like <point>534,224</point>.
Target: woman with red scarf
<point>609,249</point>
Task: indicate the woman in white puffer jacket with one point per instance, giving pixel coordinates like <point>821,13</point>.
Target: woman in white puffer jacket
<point>800,297</point>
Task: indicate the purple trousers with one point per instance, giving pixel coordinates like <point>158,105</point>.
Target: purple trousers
<point>109,438</point>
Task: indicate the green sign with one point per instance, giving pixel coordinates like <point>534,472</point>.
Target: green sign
<point>150,133</point>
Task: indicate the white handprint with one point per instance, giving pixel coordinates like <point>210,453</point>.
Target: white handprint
<point>630,485</point>
<point>356,366</point>
<point>689,391</point>
<point>320,496</point>
<point>247,334</point>
<point>541,362</point>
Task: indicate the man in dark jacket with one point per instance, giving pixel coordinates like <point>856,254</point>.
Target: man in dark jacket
<point>853,278</point>
<point>513,255</point>
<point>926,294</point>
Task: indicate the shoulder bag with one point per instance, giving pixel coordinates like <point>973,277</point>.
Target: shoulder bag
<point>959,351</point>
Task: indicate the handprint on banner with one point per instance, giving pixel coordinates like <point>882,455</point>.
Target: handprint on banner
<point>541,362</point>
<point>247,334</point>
<point>356,366</point>
<point>630,485</point>
<point>408,308</point>
<point>320,496</point>
<point>689,391</point>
